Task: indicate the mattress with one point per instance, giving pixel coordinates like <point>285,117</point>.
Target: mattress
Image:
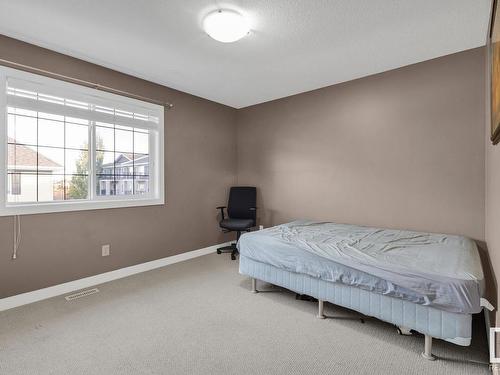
<point>439,270</point>
<point>452,327</point>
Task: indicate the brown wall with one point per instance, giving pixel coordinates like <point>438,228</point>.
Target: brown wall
<point>493,209</point>
<point>200,150</point>
<point>403,149</point>
<point>492,224</point>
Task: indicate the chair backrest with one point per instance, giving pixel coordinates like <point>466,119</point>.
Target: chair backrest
<point>241,199</point>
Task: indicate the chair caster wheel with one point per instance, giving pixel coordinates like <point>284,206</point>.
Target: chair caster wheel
<point>219,252</point>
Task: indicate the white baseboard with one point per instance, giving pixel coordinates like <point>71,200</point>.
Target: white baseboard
<point>487,324</point>
<point>71,286</point>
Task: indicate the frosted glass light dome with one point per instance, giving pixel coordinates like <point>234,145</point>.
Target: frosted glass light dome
<point>226,26</point>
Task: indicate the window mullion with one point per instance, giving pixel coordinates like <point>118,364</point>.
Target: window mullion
<point>92,158</point>
<point>152,166</point>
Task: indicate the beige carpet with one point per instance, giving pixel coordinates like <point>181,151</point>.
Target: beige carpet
<point>198,317</point>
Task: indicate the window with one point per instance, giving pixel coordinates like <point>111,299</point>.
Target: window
<point>15,184</point>
<point>68,147</point>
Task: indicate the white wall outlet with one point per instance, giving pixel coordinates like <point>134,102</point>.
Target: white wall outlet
<point>105,250</point>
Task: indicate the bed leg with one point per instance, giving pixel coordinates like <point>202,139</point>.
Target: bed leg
<point>404,331</point>
<point>254,285</point>
<point>427,353</point>
<point>320,310</point>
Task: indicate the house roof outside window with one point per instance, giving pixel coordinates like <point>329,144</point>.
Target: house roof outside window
<point>25,156</point>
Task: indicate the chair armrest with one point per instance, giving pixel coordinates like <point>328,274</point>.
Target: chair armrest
<point>221,208</point>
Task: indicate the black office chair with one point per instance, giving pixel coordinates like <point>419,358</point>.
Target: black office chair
<point>241,210</point>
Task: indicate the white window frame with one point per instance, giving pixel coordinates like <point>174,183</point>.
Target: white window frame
<point>156,195</point>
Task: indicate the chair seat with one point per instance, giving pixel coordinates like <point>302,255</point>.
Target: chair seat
<point>237,224</point>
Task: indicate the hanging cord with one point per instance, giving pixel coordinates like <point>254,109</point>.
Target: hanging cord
<point>17,235</point>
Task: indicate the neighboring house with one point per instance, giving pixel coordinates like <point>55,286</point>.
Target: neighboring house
<point>24,176</point>
<point>128,170</point>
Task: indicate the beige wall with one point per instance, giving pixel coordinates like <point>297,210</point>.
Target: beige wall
<point>199,167</point>
<point>401,149</point>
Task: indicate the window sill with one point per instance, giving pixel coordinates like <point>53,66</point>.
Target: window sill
<point>51,207</point>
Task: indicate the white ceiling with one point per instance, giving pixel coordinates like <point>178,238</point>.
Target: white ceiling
<point>294,46</point>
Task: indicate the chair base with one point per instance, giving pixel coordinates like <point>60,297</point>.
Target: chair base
<point>229,249</point>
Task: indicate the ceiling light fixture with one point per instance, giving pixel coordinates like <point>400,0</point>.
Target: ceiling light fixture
<point>226,26</point>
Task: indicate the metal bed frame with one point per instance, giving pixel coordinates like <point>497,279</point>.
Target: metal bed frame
<point>429,321</point>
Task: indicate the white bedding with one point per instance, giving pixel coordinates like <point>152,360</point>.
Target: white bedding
<point>430,269</point>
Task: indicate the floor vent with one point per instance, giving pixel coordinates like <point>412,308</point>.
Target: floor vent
<point>83,293</point>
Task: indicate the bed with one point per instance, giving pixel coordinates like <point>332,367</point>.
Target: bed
<point>427,282</point>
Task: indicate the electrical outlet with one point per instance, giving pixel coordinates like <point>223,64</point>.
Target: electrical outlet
<point>105,250</point>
